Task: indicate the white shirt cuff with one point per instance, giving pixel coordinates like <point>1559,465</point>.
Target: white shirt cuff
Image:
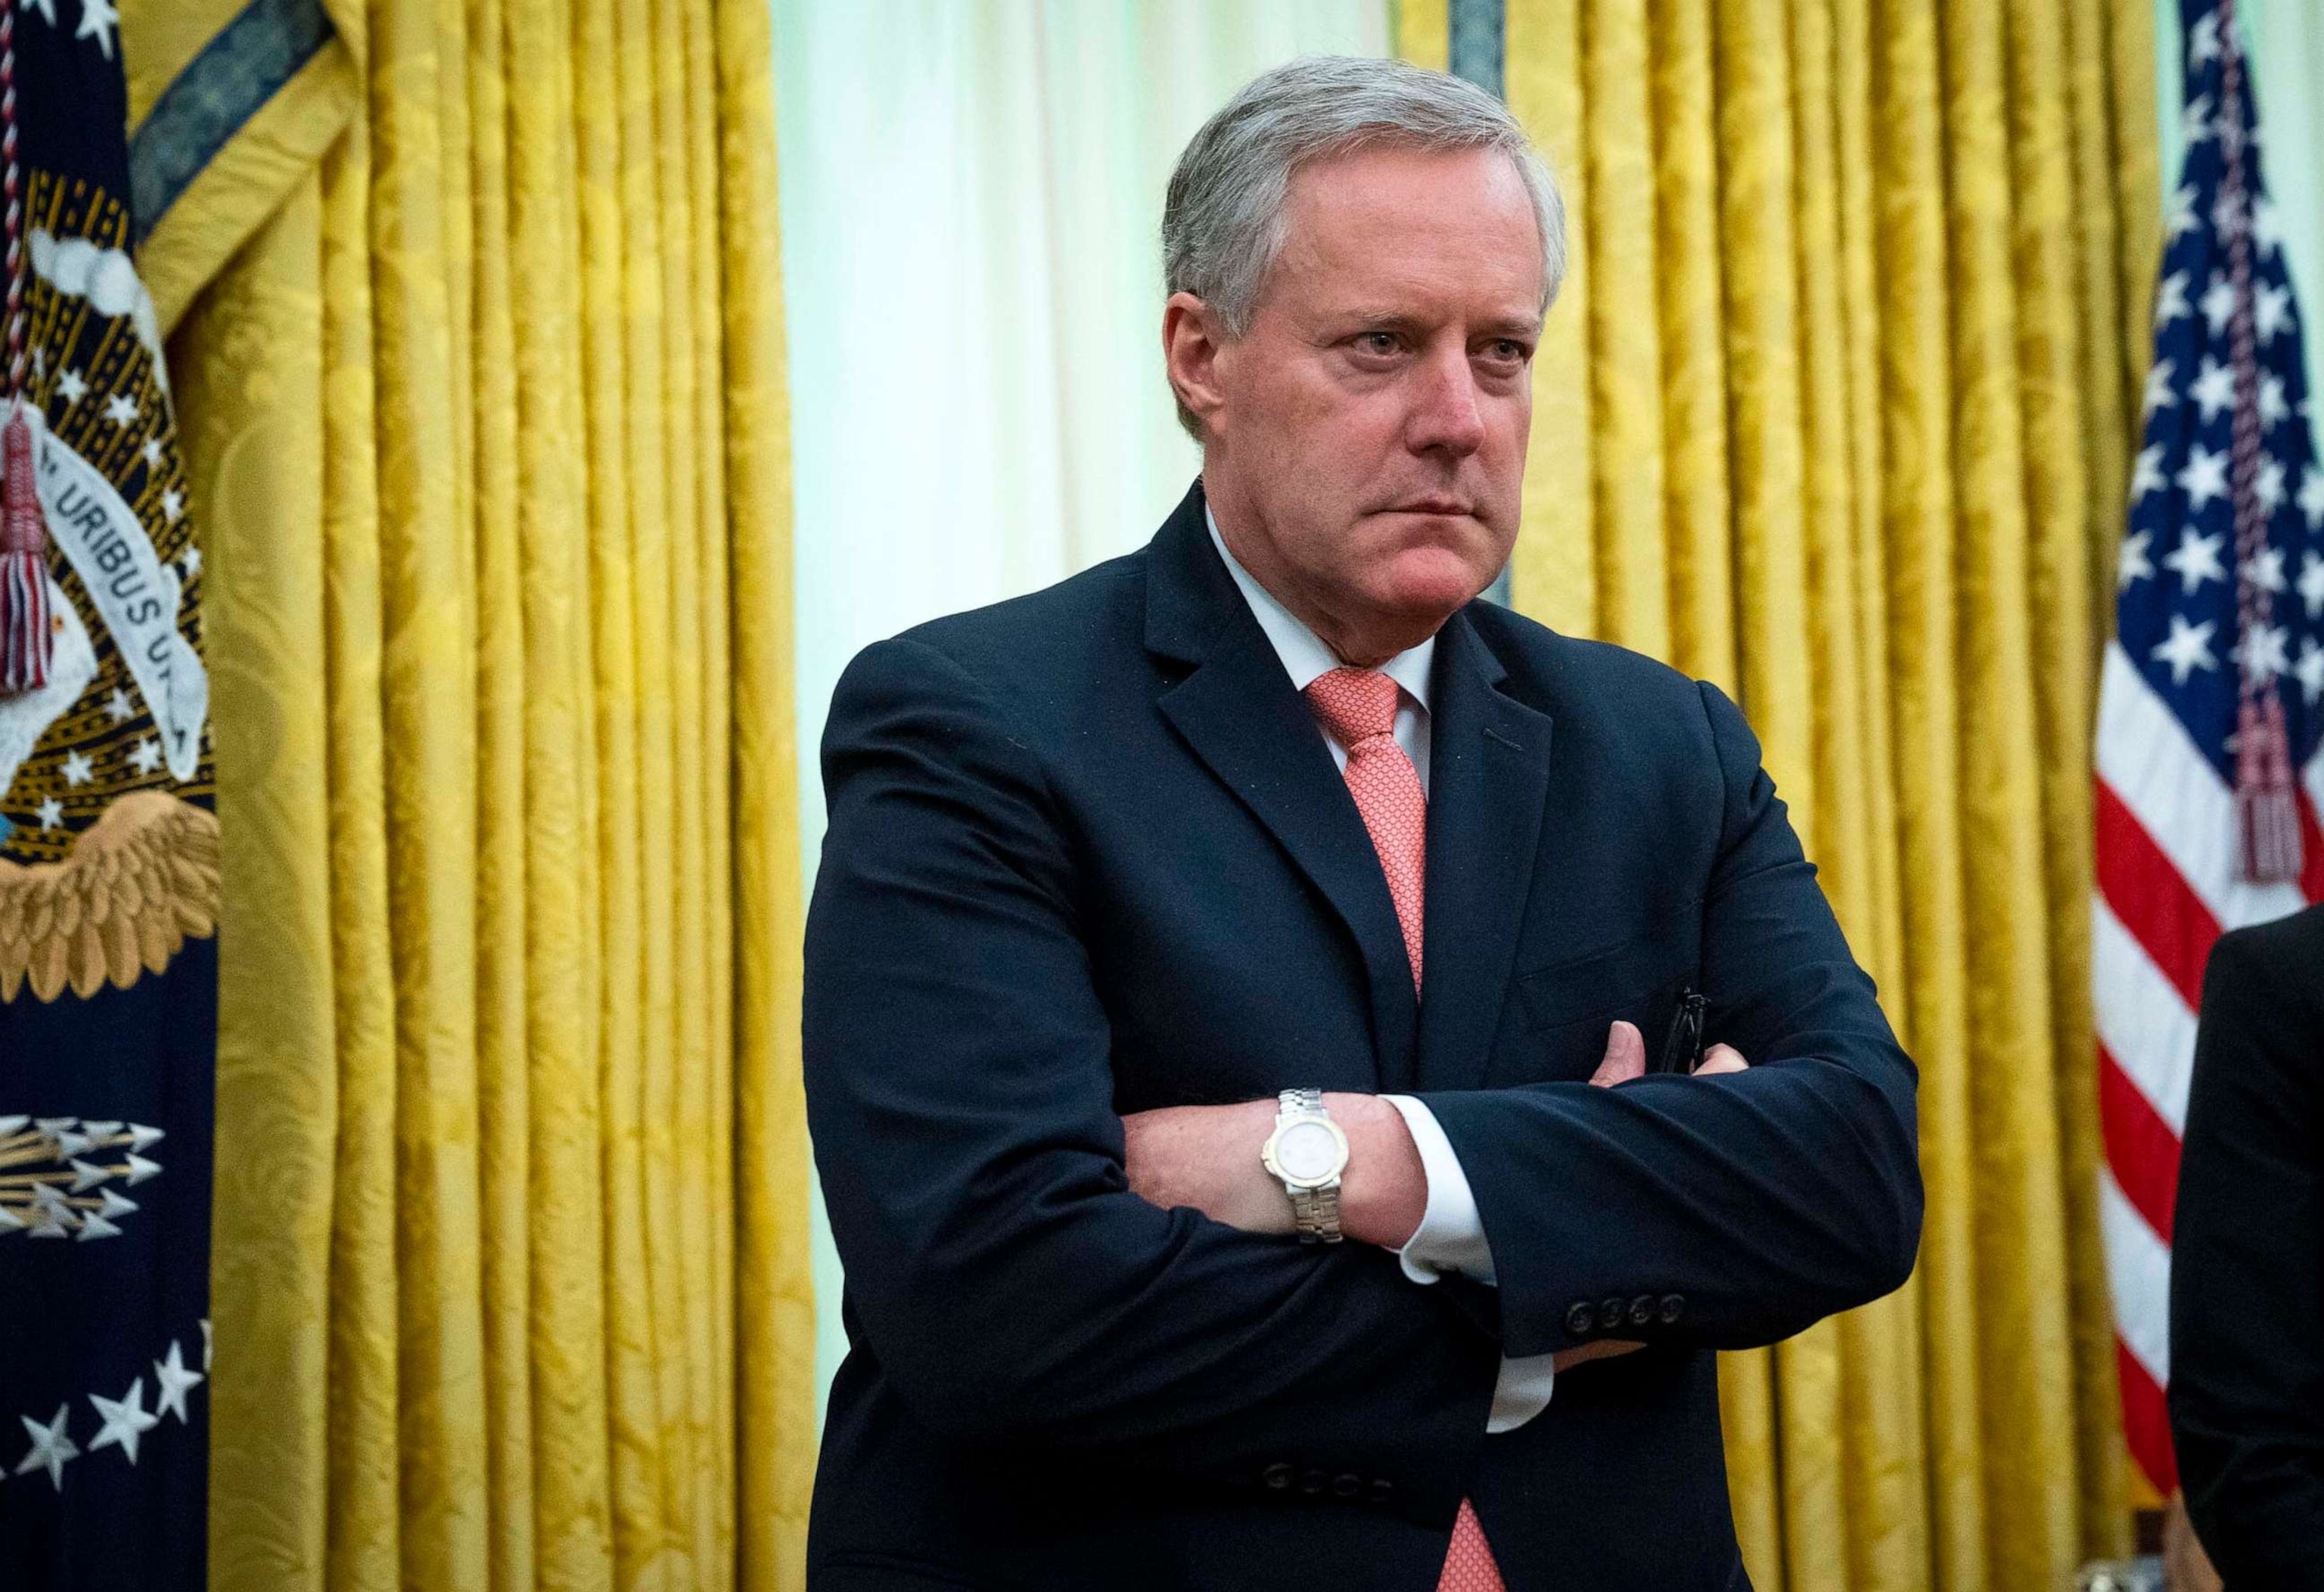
<point>1451,1237</point>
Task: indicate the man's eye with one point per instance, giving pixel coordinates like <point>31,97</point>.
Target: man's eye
<point>1382,343</point>
<point>1507,350</point>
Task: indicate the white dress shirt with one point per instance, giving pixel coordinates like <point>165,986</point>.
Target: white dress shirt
<point>1451,1237</point>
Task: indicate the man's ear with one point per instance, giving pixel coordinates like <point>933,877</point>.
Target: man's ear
<point>1192,338</point>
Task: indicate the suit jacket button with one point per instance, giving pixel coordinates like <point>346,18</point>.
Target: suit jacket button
<point>1642,1309</point>
<point>1580,1319</point>
<point>1347,1487</point>
<point>1312,1483</point>
<point>1379,1492</point>
<point>1610,1314</point>
<point>1277,1476</point>
<point>1674,1307</point>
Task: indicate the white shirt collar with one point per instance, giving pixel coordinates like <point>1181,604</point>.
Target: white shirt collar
<point>1305,656</point>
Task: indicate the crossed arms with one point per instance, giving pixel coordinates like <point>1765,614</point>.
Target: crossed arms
<point>1207,1157</point>
<point>1014,1284</point>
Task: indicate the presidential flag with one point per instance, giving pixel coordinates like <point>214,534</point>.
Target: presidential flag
<point>2209,774</point>
<point>108,861</point>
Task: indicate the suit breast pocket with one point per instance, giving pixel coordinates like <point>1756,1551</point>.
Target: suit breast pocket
<point>1569,1005</point>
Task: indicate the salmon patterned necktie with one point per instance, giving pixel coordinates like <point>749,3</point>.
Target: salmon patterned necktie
<point>1357,707</point>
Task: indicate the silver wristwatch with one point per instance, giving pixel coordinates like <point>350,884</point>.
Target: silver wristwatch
<point>1308,1151</point>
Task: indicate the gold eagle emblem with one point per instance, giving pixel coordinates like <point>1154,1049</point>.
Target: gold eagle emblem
<point>136,884</point>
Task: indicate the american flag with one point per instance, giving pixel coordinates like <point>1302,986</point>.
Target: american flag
<point>2209,780</point>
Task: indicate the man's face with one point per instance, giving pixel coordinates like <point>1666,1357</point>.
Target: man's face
<point>1368,433</point>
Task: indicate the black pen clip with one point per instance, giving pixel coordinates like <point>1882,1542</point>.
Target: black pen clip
<point>1683,1047</point>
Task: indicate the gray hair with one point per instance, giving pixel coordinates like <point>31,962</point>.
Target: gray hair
<point>1223,219</point>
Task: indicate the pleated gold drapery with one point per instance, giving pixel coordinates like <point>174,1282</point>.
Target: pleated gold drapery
<point>1836,410</point>
<point>488,422</point>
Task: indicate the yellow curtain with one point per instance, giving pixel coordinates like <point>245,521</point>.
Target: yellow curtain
<point>1836,410</point>
<point>487,420</point>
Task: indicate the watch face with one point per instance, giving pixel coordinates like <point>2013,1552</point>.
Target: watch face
<point>1308,1152</point>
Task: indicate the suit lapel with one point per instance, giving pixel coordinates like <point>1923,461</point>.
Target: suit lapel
<point>1237,713</point>
<point>1489,782</point>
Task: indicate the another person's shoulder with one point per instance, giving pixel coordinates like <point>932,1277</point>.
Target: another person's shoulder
<point>2280,961</point>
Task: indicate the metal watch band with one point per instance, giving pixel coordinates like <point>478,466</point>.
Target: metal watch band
<point>1315,1211</point>
<point>1318,1212</point>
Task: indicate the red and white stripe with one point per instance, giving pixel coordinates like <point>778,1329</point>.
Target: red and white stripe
<point>2169,882</point>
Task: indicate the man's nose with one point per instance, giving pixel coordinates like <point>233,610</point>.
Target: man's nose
<point>1445,415</point>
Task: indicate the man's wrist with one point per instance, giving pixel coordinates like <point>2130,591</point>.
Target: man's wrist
<point>1384,1192</point>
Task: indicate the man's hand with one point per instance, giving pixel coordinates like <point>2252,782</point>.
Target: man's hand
<point>1624,1059</point>
<point>2186,1568</point>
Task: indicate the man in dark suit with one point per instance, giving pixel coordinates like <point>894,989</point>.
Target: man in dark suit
<point>2248,1261</point>
<point>1212,955</point>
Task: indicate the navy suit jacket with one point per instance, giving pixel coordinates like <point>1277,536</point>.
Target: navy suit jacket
<point>2247,1261</point>
<point>1088,854</point>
